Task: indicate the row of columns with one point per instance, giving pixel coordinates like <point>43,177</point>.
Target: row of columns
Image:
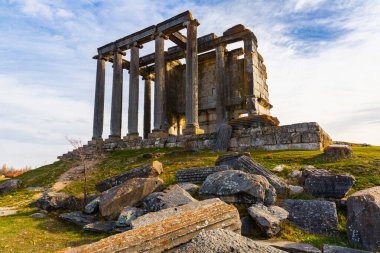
<point>160,120</point>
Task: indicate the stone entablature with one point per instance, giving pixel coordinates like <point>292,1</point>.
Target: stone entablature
<point>302,136</point>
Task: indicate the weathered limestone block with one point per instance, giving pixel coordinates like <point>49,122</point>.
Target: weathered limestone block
<point>244,163</point>
<point>92,207</point>
<point>223,138</point>
<point>167,229</point>
<point>189,187</point>
<point>321,183</point>
<point>171,197</point>
<point>220,240</point>
<point>78,218</point>
<point>337,152</point>
<point>313,216</point>
<point>101,226</point>
<point>128,193</point>
<point>148,170</point>
<point>9,185</point>
<point>363,218</point>
<point>56,200</point>
<point>230,159</point>
<point>197,175</point>
<point>289,246</point>
<point>268,218</point>
<point>233,186</point>
<point>128,214</point>
<point>339,249</point>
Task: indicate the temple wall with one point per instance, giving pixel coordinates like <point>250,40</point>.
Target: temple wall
<point>235,89</point>
<point>303,136</point>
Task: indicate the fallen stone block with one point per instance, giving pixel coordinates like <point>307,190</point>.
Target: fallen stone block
<point>167,229</point>
<point>247,226</point>
<point>92,207</point>
<point>53,201</point>
<point>129,193</point>
<point>279,168</point>
<point>221,240</point>
<point>78,218</point>
<point>289,246</point>
<point>313,216</point>
<point>128,214</point>
<point>101,226</point>
<point>234,186</point>
<point>338,249</point>
<point>336,152</point>
<point>323,184</point>
<point>230,159</point>
<point>189,187</point>
<point>9,185</point>
<point>197,175</point>
<point>363,218</point>
<point>295,189</point>
<point>148,170</point>
<point>244,163</point>
<point>268,218</point>
<point>170,197</point>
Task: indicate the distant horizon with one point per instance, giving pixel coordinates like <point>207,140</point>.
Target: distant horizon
<point>321,60</point>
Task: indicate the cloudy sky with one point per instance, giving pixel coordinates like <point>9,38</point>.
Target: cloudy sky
<point>322,59</point>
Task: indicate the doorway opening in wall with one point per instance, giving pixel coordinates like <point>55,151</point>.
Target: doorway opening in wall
<point>243,115</point>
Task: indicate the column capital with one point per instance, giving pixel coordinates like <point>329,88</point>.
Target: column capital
<point>118,51</point>
<point>135,44</point>
<point>191,22</point>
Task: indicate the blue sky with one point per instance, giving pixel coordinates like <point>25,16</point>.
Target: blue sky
<point>321,56</point>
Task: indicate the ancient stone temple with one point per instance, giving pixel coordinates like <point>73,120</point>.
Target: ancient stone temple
<point>199,86</point>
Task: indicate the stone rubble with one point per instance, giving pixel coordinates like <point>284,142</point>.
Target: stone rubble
<point>197,175</point>
<point>268,218</point>
<point>9,185</point>
<point>313,216</point>
<point>129,193</point>
<point>339,249</point>
<point>153,169</point>
<point>170,197</point>
<point>324,184</point>
<point>233,186</point>
<point>224,241</point>
<point>78,218</point>
<point>363,218</point>
<point>128,214</point>
<point>189,187</point>
<point>289,246</point>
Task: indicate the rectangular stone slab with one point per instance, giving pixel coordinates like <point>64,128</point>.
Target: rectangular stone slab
<point>197,175</point>
<point>160,232</point>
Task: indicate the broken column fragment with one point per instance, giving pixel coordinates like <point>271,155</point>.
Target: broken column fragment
<point>148,170</point>
<point>197,175</point>
<point>168,229</point>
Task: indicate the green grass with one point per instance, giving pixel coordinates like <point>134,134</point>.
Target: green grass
<point>20,233</point>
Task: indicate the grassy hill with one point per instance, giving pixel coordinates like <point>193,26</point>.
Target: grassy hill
<point>20,233</point>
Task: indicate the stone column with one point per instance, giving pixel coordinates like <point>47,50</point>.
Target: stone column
<point>221,98</point>
<point>147,106</point>
<point>249,50</point>
<point>117,95</point>
<point>97,131</point>
<point>159,85</point>
<point>133,106</point>
<point>192,125</point>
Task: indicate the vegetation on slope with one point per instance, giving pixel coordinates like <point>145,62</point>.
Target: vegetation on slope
<point>21,233</point>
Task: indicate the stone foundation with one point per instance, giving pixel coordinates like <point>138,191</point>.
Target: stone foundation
<point>302,136</point>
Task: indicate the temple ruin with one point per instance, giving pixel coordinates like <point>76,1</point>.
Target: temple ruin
<point>213,86</point>
<point>199,86</point>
